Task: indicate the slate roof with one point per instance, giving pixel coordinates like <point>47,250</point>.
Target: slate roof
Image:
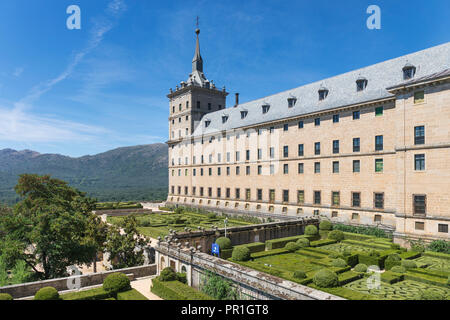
<point>342,91</point>
<point>437,75</point>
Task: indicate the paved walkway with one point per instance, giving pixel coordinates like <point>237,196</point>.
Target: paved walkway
<point>143,286</point>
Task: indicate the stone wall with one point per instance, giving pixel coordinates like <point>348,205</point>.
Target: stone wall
<point>61,284</point>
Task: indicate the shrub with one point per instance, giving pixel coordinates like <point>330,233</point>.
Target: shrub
<point>392,260</point>
<point>347,252</point>
<point>167,274</point>
<point>224,243</point>
<point>441,246</point>
<point>336,235</point>
<point>361,267</point>
<point>299,274</point>
<point>311,230</point>
<point>241,254</point>
<point>431,295</point>
<point>182,277</point>
<point>325,225</point>
<point>417,246</point>
<point>370,231</point>
<point>374,253</point>
<point>303,242</point>
<point>340,263</point>
<point>115,283</point>
<point>395,246</point>
<point>326,279</point>
<point>211,215</point>
<point>335,255</point>
<point>398,269</point>
<point>178,211</point>
<point>291,247</point>
<point>408,264</point>
<point>47,293</point>
<point>5,296</point>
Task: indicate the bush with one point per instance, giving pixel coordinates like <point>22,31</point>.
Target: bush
<point>182,277</point>
<point>211,215</point>
<point>325,225</point>
<point>361,267</point>
<point>374,253</point>
<point>336,235</point>
<point>431,295</point>
<point>398,269</point>
<point>5,296</point>
<point>335,255</point>
<point>299,274</point>
<point>340,263</point>
<point>167,274</point>
<point>311,230</point>
<point>347,252</point>
<point>392,260</point>
<point>303,242</point>
<point>115,283</point>
<point>326,279</point>
<point>92,294</point>
<point>241,254</point>
<point>291,247</point>
<point>369,231</point>
<point>224,243</point>
<point>47,293</point>
<point>417,246</point>
<point>441,246</point>
<point>175,290</point>
<point>408,264</point>
<point>395,246</point>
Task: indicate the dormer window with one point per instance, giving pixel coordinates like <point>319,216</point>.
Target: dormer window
<point>291,102</point>
<point>361,84</point>
<point>265,108</point>
<point>323,93</point>
<point>244,114</point>
<point>224,118</point>
<point>409,71</point>
<point>207,123</point>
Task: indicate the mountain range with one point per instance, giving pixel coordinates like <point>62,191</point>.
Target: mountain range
<point>129,173</point>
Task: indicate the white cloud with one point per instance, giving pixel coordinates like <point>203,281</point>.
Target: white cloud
<point>18,72</point>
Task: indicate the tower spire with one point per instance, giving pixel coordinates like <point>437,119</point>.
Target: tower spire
<point>197,62</point>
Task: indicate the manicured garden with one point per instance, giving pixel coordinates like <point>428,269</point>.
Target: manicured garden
<point>158,224</point>
<point>348,264</point>
<point>117,205</point>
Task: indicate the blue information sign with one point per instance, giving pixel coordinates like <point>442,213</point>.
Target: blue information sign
<point>215,249</point>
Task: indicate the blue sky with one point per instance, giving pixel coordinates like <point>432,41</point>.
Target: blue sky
<point>79,92</point>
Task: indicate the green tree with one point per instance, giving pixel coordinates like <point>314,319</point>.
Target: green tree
<point>96,234</point>
<point>47,227</point>
<point>125,245</point>
<point>219,288</point>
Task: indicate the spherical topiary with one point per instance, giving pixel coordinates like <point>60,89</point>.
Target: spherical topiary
<point>224,243</point>
<point>340,263</point>
<point>431,295</point>
<point>115,283</point>
<point>241,254</point>
<point>398,269</point>
<point>325,278</point>
<point>374,253</point>
<point>182,277</point>
<point>291,247</point>
<point>337,235</point>
<point>325,225</point>
<point>361,267</point>
<point>408,264</point>
<point>167,274</point>
<point>299,274</point>
<point>47,293</point>
<point>393,258</point>
<point>303,242</point>
<point>5,296</point>
<point>311,230</point>
<point>347,252</point>
<point>395,246</point>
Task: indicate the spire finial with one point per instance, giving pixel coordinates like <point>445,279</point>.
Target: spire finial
<point>197,62</point>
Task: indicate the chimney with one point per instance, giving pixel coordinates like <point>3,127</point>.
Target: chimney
<point>237,100</point>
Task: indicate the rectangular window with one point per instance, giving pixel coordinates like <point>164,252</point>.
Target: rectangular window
<point>419,135</point>
<point>300,168</point>
<point>419,97</point>
<point>300,150</point>
<point>356,166</point>
<point>317,122</point>
<point>420,225</point>
<point>209,192</point>
<point>355,216</point>
<point>238,193</point>
<point>259,170</point>
<point>378,200</point>
<point>300,196</point>
<point>247,170</point>
<point>378,111</point>
<point>419,162</point>
<point>317,198</point>
<point>317,148</point>
<point>335,198</point>
<point>259,194</point>
<point>247,155</point>
<point>219,171</point>
<point>193,190</point>
<point>378,143</point>
<point>272,169</point>
<point>356,145</point>
<point>335,118</point>
<point>259,154</point>
<point>201,171</point>
<point>300,124</point>
<point>272,152</point>
<point>247,194</point>
<point>316,167</point>
<point>420,204</point>
<point>285,127</point>
<point>286,168</point>
<point>378,165</point>
<point>238,170</point>
<point>201,191</point>
<point>228,157</point>
<point>237,156</point>
<point>356,115</point>
<point>219,192</point>
<point>228,171</point>
<point>272,195</point>
<point>335,146</point>
<point>271,130</point>
<point>228,193</point>
<point>335,166</point>
<point>443,228</point>
<point>377,218</point>
<point>334,214</point>
<point>194,172</point>
<point>285,151</point>
<point>210,171</point>
<point>285,195</point>
<point>356,199</point>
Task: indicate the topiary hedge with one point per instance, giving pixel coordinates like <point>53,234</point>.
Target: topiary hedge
<point>291,247</point>
<point>5,296</point>
<point>241,254</point>
<point>224,243</point>
<point>115,283</point>
<point>408,264</point>
<point>167,274</point>
<point>299,274</point>
<point>340,263</point>
<point>311,230</point>
<point>303,242</point>
<point>392,261</point>
<point>47,293</point>
<point>325,278</point>
<point>431,295</point>
<point>325,225</point>
<point>336,235</point>
<point>398,269</point>
<point>361,267</point>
